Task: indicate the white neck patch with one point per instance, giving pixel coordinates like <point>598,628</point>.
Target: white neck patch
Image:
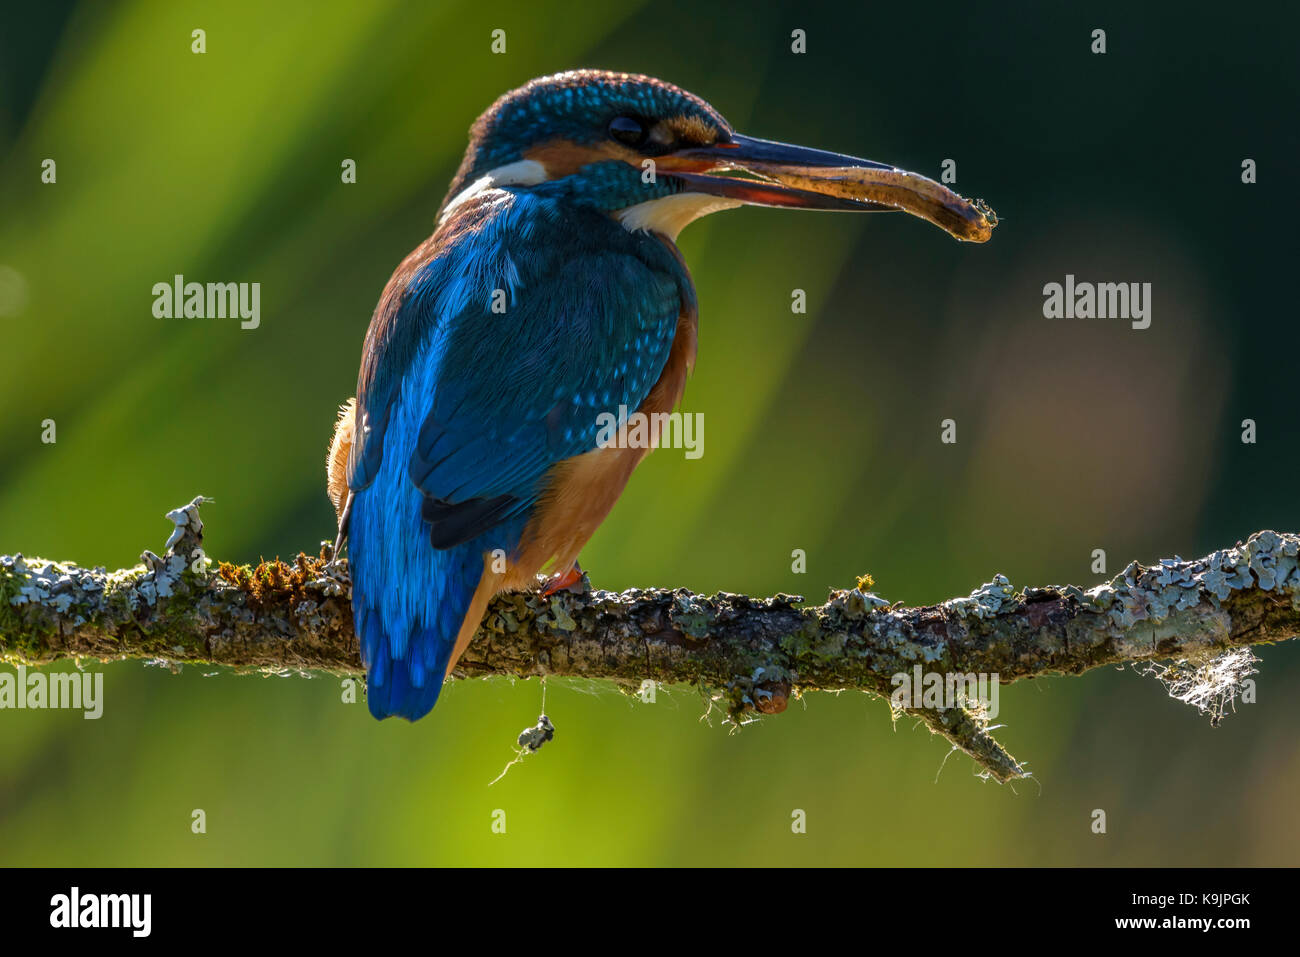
<point>521,173</point>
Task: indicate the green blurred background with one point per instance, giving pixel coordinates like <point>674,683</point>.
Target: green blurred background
<point>822,429</point>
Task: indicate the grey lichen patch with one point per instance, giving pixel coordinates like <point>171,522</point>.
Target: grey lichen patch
<point>162,575</point>
<point>689,615</point>
<point>854,602</point>
<point>62,587</point>
<point>308,615</point>
<point>49,602</point>
<point>896,645</point>
<point>821,646</point>
<point>985,601</point>
<point>1155,594</point>
<point>561,617</point>
<point>334,582</point>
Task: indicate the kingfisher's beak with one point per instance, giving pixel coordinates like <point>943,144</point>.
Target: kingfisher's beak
<point>802,178</point>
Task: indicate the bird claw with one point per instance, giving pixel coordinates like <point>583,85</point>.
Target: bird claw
<point>570,580</point>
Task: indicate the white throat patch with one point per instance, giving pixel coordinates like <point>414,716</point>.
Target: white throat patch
<point>669,215</point>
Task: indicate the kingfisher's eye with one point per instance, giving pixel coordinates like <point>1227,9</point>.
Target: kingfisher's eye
<point>628,130</point>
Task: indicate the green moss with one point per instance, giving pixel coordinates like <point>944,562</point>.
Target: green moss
<point>19,641</point>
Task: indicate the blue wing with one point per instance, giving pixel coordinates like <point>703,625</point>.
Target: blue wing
<point>540,317</point>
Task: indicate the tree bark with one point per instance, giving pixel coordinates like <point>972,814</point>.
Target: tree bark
<point>751,654</point>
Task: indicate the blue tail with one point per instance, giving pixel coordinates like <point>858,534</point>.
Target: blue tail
<point>407,687</point>
<point>407,614</point>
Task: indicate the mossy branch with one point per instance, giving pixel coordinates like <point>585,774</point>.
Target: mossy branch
<point>753,654</point>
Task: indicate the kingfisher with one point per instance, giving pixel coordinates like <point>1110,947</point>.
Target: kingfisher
<point>550,296</point>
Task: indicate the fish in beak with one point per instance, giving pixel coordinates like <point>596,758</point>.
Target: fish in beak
<point>800,178</point>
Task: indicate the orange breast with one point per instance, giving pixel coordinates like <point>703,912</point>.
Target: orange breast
<point>579,494</point>
<point>582,490</point>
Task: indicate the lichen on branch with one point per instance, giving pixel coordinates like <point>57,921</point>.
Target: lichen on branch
<point>752,654</point>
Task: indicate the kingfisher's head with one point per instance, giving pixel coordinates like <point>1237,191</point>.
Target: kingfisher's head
<point>653,156</point>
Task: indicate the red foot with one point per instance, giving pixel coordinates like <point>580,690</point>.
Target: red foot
<point>559,583</point>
